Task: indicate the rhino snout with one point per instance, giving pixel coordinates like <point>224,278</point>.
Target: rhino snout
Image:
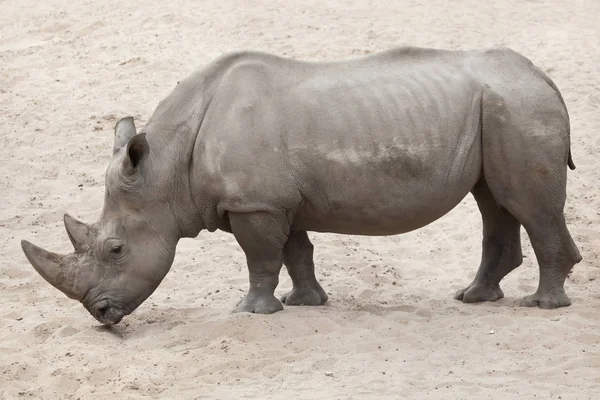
<point>106,313</point>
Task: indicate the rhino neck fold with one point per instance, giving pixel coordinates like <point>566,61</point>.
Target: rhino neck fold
<point>172,154</point>
<point>174,129</point>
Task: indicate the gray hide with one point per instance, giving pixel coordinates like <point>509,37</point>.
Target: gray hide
<point>270,148</point>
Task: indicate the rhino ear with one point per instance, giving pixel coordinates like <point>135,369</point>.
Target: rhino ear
<point>124,131</point>
<point>137,151</point>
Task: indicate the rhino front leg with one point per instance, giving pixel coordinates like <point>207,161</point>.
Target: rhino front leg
<point>298,258</point>
<point>262,237</point>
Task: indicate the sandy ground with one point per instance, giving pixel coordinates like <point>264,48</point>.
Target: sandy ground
<point>69,70</point>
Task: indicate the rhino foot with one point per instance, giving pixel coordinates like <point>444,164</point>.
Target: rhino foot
<point>259,303</point>
<point>476,293</point>
<point>305,296</point>
<point>546,300</point>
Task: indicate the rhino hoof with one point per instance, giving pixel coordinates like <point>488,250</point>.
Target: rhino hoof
<point>305,297</point>
<point>546,301</point>
<point>476,293</point>
<point>259,304</point>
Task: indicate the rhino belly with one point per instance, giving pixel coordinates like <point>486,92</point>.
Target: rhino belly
<point>388,198</point>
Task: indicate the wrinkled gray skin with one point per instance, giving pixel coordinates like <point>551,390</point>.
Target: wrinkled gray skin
<point>269,148</point>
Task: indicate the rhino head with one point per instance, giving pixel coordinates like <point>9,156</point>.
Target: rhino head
<point>120,260</point>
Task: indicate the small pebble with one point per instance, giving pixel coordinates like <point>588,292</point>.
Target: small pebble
<point>328,373</point>
<point>491,332</point>
<point>555,319</point>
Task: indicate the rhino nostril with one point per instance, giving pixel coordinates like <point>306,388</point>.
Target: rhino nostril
<point>102,307</point>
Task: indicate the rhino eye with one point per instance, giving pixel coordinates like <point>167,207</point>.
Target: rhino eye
<point>116,250</point>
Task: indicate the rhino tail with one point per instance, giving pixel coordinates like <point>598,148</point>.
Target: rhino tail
<point>570,162</point>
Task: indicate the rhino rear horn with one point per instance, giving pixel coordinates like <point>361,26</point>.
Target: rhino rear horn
<point>80,233</point>
<point>124,130</point>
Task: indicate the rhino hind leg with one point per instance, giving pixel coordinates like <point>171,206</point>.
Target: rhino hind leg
<point>298,258</point>
<point>556,254</point>
<point>501,249</point>
<point>262,237</point>
<point>525,158</point>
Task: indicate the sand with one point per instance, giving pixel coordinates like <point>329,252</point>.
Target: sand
<point>69,70</point>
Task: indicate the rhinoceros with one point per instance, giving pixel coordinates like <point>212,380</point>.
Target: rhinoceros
<point>269,148</point>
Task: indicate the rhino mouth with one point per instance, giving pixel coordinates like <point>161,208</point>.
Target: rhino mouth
<point>106,313</point>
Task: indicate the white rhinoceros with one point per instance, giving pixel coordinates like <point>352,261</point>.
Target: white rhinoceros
<point>269,148</point>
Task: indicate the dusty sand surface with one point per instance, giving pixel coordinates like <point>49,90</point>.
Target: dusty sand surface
<point>69,70</point>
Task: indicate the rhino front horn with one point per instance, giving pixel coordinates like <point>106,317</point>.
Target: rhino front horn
<point>80,233</point>
<point>58,270</point>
